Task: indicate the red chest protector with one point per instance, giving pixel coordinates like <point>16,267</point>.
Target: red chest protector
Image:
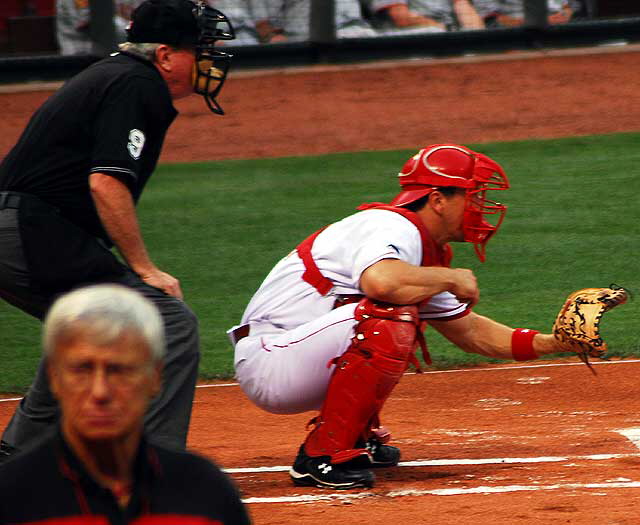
<point>432,254</point>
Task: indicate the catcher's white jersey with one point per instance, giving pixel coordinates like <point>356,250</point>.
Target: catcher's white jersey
<point>295,331</point>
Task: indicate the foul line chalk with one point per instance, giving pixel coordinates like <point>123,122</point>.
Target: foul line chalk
<point>453,462</point>
<point>309,498</point>
<point>486,369</point>
<point>456,371</point>
<point>483,369</point>
<point>7,399</point>
<point>10,399</point>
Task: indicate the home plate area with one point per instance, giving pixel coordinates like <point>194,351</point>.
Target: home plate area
<point>544,443</point>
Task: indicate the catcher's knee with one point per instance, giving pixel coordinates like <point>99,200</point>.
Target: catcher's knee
<point>385,334</point>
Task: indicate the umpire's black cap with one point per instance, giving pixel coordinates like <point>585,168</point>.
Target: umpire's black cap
<point>171,22</point>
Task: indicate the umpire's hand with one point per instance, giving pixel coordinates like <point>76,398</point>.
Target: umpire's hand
<point>162,280</point>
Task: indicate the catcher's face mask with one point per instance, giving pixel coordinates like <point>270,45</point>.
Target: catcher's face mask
<point>451,165</point>
<point>211,66</point>
<point>483,216</point>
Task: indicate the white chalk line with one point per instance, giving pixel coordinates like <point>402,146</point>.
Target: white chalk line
<point>456,462</point>
<point>632,434</point>
<point>483,369</point>
<point>455,371</point>
<point>4,400</point>
<point>312,498</point>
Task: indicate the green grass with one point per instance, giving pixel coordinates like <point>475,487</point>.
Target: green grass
<point>219,227</point>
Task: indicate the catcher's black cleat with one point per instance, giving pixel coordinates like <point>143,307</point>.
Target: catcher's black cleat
<point>318,471</point>
<point>382,455</point>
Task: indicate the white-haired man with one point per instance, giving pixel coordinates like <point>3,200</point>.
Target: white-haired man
<point>104,347</point>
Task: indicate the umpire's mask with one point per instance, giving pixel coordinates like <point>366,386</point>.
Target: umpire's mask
<point>211,66</point>
<point>188,24</point>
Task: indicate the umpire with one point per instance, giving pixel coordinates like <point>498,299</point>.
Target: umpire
<point>69,187</point>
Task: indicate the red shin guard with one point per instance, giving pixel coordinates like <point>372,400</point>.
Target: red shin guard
<point>365,375</point>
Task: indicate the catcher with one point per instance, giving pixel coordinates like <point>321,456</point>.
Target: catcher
<point>336,322</point>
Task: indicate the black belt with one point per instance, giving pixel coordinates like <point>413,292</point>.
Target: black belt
<point>10,199</point>
<point>343,299</point>
<point>15,199</point>
<point>241,332</point>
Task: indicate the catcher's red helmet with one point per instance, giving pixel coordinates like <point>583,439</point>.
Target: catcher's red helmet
<point>452,165</point>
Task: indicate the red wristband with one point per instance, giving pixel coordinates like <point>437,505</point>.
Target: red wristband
<point>522,344</point>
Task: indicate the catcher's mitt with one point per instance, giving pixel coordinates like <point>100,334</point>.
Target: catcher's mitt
<point>577,327</point>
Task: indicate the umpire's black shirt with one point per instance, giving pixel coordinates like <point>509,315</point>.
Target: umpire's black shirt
<point>110,118</point>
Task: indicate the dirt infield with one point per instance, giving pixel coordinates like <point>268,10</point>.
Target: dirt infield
<point>501,445</point>
<point>510,445</point>
<point>396,105</point>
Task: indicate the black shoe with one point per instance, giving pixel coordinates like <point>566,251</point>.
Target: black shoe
<point>382,455</point>
<point>320,472</point>
<point>6,451</point>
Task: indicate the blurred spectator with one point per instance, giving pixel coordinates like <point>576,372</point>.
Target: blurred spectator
<point>72,27</point>
<point>240,13</point>
<point>269,20</point>
<point>123,10</point>
<point>423,15</point>
<point>510,13</point>
<point>72,24</point>
<point>289,20</point>
<point>350,22</point>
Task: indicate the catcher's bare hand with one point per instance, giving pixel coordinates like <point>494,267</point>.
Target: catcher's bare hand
<point>465,286</point>
<point>577,326</point>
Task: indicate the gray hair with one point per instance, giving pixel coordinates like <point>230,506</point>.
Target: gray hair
<point>146,51</point>
<point>103,313</point>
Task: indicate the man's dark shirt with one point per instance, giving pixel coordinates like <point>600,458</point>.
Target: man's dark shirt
<point>110,118</point>
<point>49,482</point>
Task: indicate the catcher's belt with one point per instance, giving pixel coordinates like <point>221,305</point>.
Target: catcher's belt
<point>343,299</point>
<point>239,333</point>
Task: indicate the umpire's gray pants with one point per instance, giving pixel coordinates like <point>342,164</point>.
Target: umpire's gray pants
<point>167,421</point>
